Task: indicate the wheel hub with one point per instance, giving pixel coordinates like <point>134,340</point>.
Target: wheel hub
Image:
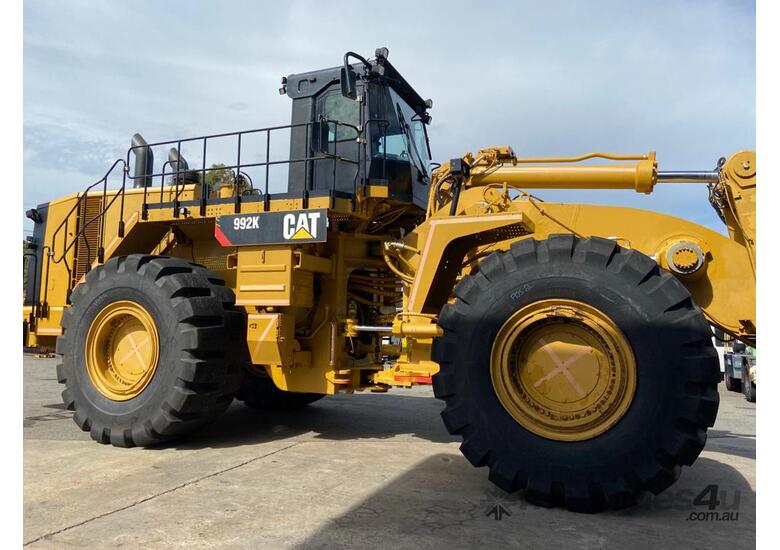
<point>563,370</point>
<point>122,350</point>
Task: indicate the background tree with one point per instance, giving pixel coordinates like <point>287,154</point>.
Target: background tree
<point>221,175</point>
<point>216,176</point>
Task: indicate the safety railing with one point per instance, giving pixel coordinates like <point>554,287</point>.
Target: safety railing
<point>82,224</point>
<point>61,244</point>
<point>237,168</point>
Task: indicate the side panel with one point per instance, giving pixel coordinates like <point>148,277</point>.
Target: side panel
<point>296,227</point>
<point>267,277</point>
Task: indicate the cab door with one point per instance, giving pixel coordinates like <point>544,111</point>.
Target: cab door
<point>341,142</point>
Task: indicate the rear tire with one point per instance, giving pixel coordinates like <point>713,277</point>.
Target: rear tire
<point>675,398</point>
<point>258,391</point>
<point>197,370</point>
<point>732,384</point>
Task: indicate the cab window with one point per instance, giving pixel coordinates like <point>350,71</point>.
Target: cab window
<point>342,109</point>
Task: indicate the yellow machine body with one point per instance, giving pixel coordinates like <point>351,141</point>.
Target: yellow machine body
<point>296,297</point>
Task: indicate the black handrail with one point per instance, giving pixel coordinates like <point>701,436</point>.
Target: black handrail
<point>78,204</point>
<point>81,224</point>
<point>43,311</point>
<point>267,163</point>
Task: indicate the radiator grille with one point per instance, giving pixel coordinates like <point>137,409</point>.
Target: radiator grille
<point>87,244</point>
<point>214,263</point>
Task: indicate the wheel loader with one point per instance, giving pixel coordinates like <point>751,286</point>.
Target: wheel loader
<point>571,344</point>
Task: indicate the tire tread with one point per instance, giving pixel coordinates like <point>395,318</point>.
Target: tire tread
<point>697,368</point>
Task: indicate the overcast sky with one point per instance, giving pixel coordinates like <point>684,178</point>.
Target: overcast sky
<point>547,78</point>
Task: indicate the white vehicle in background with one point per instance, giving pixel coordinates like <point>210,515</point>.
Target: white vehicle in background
<point>718,343</point>
<point>749,380</point>
<point>732,367</point>
<point>738,364</point>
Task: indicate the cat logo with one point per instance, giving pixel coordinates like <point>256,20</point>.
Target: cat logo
<point>300,226</point>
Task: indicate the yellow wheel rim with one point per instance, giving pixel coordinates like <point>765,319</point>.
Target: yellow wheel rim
<point>563,370</point>
<point>122,350</point>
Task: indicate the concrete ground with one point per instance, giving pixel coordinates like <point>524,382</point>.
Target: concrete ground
<point>359,471</point>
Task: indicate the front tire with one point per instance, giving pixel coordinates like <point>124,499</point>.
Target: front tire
<point>149,350</point>
<point>622,441</point>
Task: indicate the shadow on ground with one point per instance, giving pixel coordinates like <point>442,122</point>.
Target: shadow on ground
<point>731,443</point>
<point>343,417</point>
<point>442,502</point>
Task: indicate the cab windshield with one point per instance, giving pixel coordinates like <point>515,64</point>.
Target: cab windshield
<point>401,134</point>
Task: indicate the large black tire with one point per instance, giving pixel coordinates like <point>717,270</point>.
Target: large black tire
<point>259,392</point>
<point>676,396</point>
<point>732,384</point>
<point>198,369</point>
<point>749,389</point>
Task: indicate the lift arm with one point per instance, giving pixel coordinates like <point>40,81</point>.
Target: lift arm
<point>479,204</point>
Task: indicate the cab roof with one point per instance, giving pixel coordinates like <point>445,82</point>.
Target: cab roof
<point>309,84</point>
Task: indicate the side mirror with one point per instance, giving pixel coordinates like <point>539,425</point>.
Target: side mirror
<point>319,137</point>
<point>348,82</point>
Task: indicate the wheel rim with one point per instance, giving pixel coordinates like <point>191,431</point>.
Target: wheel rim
<point>123,350</point>
<point>563,370</point>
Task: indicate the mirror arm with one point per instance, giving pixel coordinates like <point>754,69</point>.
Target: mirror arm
<point>348,76</point>
<point>357,56</point>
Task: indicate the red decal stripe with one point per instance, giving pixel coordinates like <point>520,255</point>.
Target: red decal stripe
<point>415,379</point>
<point>220,236</point>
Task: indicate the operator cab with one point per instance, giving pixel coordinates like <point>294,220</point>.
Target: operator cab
<point>367,121</point>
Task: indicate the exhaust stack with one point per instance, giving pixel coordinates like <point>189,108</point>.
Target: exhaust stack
<point>181,169</point>
<point>144,162</point>
<point>177,161</point>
